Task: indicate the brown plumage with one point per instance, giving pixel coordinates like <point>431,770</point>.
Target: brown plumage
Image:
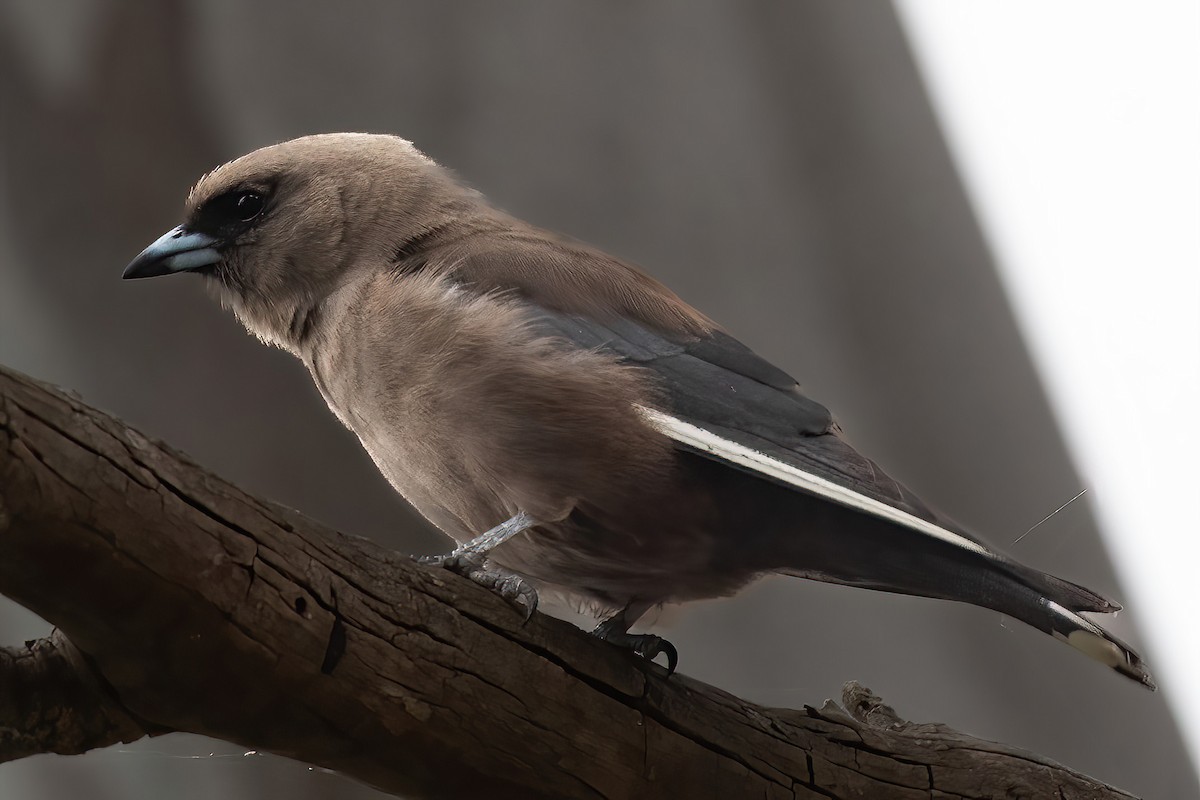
<point>494,370</point>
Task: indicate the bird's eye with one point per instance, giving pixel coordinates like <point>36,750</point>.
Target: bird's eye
<point>232,208</point>
<point>247,206</point>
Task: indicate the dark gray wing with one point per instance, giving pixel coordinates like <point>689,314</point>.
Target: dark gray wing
<point>718,384</point>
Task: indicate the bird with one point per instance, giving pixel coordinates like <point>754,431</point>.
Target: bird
<point>568,420</point>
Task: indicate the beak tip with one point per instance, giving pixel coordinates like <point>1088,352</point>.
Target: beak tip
<point>175,251</point>
<point>146,266</point>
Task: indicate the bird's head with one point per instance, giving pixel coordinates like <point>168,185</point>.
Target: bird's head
<point>284,226</point>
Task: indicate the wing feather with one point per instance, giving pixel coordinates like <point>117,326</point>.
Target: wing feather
<point>722,400</point>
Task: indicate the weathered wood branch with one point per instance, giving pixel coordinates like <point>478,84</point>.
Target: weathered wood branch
<point>53,701</point>
<point>184,604</point>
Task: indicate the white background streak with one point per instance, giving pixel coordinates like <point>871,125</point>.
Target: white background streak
<point>1076,126</point>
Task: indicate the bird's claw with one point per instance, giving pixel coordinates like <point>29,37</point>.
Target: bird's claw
<point>444,561</point>
<point>517,591</point>
<point>646,645</point>
<point>460,562</point>
<point>513,588</point>
<point>650,647</point>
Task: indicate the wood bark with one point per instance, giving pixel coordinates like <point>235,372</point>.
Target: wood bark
<point>184,604</point>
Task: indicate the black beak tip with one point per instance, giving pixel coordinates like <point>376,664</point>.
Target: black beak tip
<point>140,268</point>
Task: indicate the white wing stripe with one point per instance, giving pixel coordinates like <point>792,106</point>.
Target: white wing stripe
<point>707,441</point>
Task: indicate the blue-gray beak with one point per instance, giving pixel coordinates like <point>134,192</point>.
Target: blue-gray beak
<point>178,250</point>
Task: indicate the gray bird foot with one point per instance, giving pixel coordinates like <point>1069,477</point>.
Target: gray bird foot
<point>474,566</point>
<point>646,645</point>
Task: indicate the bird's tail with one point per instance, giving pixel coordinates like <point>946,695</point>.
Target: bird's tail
<point>1050,604</point>
<point>1092,640</point>
<point>799,518</point>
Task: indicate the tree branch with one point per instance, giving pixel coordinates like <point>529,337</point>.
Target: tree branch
<point>192,606</point>
<point>52,701</point>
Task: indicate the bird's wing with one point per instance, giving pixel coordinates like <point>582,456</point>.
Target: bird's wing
<point>720,400</point>
<point>723,401</point>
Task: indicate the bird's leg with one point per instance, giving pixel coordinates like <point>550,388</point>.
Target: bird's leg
<point>615,630</point>
<point>471,561</point>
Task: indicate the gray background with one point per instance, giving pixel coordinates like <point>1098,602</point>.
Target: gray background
<point>776,163</point>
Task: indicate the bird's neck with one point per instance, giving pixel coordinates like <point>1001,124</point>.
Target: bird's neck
<point>288,323</point>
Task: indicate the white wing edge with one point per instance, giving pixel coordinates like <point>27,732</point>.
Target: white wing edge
<point>709,442</point>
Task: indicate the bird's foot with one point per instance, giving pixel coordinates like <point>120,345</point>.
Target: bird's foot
<point>474,566</point>
<point>646,645</point>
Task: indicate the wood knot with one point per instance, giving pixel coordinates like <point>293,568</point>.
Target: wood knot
<point>869,708</point>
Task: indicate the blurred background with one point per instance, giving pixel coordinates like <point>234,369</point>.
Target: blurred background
<point>971,229</point>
